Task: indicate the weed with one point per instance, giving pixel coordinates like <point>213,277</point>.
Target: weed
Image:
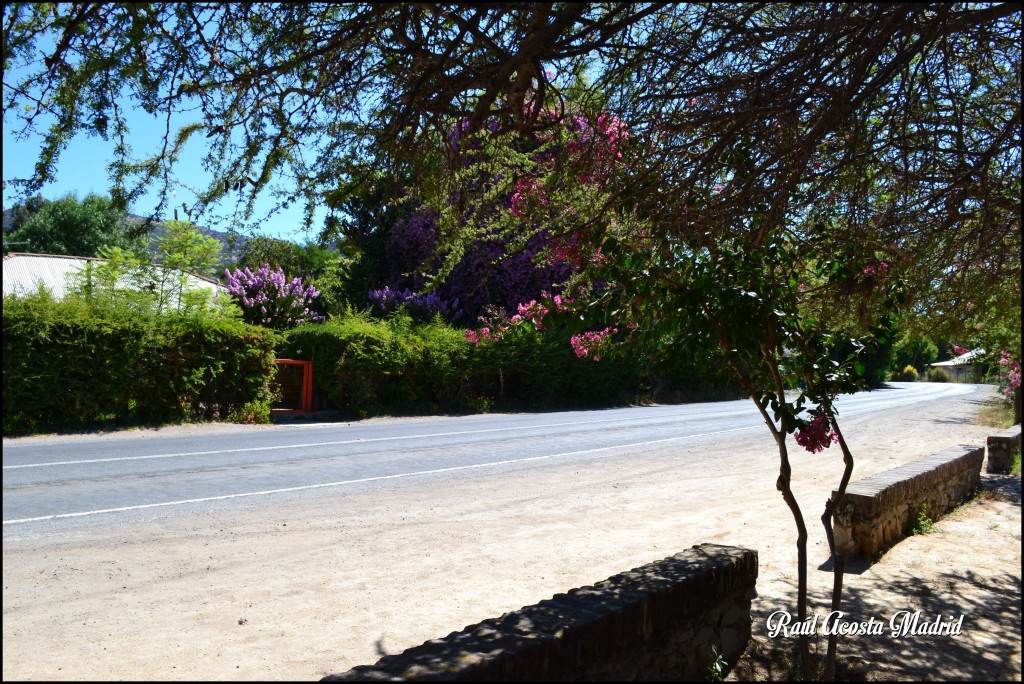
<point>995,414</point>
<point>922,524</point>
<point>716,670</point>
<point>252,412</point>
<point>1015,463</point>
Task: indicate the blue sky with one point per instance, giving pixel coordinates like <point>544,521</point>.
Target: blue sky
<point>82,169</point>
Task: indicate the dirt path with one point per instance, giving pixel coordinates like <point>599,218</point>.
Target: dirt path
<point>303,590</point>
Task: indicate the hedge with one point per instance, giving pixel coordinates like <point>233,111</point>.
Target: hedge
<point>75,364</point>
<point>369,366</point>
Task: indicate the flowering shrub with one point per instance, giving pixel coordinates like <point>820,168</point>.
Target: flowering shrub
<point>816,436</point>
<point>484,277</point>
<point>421,307</point>
<point>881,270</point>
<point>590,343</point>
<point>269,299</point>
<point>593,149</point>
<point>527,191</point>
<point>1009,374</point>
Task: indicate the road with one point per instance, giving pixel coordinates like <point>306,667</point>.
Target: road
<point>219,552</point>
<point>55,484</point>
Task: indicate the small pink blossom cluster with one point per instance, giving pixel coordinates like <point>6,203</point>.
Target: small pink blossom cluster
<point>960,351</point>
<point>485,334</point>
<point>533,312</point>
<point>589,343</point>
<point>570,250</point>
<point>1010,373</point>
<point>594,147</point>
<point>614,130</point>
<point>882,269</point>
<point>528,191</point>
<point>816,436</point>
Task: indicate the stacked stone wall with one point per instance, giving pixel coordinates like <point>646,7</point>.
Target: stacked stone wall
<point>878,511</point>
<point>1000,448</point>
<point>658,621</point>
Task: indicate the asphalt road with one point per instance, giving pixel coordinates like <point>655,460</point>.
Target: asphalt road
<point>53,485</point>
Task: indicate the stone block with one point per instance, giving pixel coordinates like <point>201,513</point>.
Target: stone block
<point>1000,448</point>
<point>876,510</point>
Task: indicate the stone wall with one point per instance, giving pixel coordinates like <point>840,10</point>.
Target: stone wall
<point>877,511</point>
<point>1000,447</point>
<point>658,621</point>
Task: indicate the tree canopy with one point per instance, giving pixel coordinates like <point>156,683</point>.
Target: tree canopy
<point>70,226</point>
<point>899,122</point>
<point>754,180</point>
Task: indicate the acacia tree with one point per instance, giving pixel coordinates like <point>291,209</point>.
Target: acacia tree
<point>772,146</point>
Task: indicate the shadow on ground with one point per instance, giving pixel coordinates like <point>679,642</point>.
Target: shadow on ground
<point>988,647</point>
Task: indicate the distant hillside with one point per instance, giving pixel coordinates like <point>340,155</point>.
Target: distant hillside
<point>232,244</point>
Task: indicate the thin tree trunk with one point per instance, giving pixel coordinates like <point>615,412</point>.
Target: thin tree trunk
<point>838,562</point>
<point>783,485</point>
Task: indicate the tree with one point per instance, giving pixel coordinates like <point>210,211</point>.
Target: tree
<point>324,269</point>
<point>157,283</point>
<point>69,226</point>
<point>19,213</point>
<point>813,167</point>
<point>182,250</point>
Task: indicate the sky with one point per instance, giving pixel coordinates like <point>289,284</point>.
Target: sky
<point>82,169</point>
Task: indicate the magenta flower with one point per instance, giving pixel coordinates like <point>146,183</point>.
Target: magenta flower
<point>589,343</point>
<point>816,436</point>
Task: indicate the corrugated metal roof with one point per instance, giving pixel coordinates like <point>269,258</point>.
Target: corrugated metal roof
<point>969,357</point>
<point>24,272</point>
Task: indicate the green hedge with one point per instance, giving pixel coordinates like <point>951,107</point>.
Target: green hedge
<point>75,364</point>
<point>365,366</point>
<point>368,366</point>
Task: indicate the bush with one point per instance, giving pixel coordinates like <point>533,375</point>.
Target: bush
<point>539,370</point>
<point>367,366</point>
<point>75,364</point>
<point>938,375</point>
<point>908,374</point>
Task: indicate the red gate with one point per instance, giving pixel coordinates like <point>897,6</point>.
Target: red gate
<point>294,379</point>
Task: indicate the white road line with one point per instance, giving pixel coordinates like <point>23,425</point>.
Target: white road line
<point>360,480</point>
<point>311,444</point>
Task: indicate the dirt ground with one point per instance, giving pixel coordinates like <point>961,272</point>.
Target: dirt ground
<point>305,589</point>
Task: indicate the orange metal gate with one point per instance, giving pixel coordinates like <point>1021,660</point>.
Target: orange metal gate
<point>294,379</point>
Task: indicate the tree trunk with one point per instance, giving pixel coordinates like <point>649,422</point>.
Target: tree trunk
<point>783,485</point>
<point>838,562</point>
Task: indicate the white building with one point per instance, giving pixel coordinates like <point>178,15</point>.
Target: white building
<point>963,368</point>
<point>23,273</point>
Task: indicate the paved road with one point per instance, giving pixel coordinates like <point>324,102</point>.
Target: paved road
<point>52,485</point>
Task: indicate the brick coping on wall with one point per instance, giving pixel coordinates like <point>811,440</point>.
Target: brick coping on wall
<point>658,621</point>
<point>1000,447</point>
<point>875,511</point>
